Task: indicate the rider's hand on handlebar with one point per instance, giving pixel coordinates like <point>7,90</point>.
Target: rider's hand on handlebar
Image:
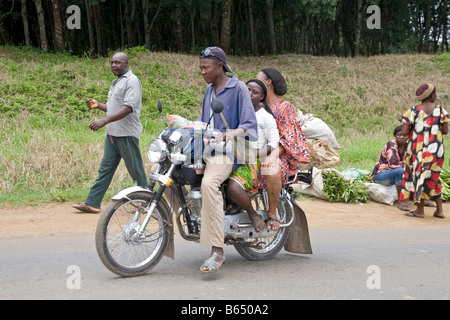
<point>225,136</point>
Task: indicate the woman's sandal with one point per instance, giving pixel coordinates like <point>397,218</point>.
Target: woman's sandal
<point>403,207</point>
<point>270,225</point>
<point>413,215</point>
<point>212,264</point>
<point>436,215</point>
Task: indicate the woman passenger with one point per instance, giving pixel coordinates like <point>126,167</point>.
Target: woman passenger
<point>283,162</point>
<point>244,178</point>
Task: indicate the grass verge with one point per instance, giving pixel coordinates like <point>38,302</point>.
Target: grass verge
<point>49,154</point>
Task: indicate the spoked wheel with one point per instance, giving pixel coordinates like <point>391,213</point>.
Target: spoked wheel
<point>120,246</point>
<point>267,247</point>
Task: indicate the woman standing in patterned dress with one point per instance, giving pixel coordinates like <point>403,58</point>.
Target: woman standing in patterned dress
<point>425,124</point>
<point>282,162</point>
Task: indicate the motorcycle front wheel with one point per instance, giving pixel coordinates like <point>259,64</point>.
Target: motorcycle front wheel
<point>121,249</point>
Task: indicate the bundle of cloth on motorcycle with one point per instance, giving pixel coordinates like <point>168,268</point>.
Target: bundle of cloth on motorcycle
<point>321,140</point>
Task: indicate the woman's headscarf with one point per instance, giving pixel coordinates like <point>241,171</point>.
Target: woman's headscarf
<point>425,91</point>
<point>264,89</point>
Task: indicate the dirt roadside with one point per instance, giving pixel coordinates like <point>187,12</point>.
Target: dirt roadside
<point>61,218</point>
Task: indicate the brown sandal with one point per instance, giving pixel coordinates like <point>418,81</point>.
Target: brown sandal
<point>436,215</point>
<point>86,208</point>
<point>271,226</point>
<point>413,214</point>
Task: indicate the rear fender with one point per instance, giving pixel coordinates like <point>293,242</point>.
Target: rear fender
<point>298,240</point>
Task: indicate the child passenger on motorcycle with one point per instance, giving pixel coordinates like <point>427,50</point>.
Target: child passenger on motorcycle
<point>244,178</point>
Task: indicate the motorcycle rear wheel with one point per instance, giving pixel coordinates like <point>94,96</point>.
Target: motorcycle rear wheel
<point>270,247</point>
<point>118,246</point>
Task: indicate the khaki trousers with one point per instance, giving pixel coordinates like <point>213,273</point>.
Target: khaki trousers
<point>218,169</point>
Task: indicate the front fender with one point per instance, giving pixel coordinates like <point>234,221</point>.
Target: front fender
<point>170,250</point>
<point>125,192</point>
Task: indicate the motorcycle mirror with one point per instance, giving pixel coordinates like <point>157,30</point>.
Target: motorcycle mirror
<point>216,106</point>
<point>160,111</point>
<point>159,105</point>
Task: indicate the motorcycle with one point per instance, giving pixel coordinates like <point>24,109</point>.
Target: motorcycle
<point>136,228</point>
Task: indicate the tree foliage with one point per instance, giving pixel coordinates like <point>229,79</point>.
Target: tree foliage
<point>257,27</point>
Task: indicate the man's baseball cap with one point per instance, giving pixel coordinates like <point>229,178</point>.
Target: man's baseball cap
<point>217,54</point>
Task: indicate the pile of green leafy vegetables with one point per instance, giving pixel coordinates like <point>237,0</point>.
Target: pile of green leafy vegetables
<point>337,189</point>
<point>444,178</point>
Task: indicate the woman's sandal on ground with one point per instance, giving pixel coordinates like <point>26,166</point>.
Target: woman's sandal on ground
<point>213,263</point>
<point>413,215</point>
<point>403,207</point>
<point>436,215</point>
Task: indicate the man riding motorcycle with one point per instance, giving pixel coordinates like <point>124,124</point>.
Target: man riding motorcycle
<point>240,115</point>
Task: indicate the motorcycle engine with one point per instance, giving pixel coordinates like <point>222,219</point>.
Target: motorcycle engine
<point>194,202</point>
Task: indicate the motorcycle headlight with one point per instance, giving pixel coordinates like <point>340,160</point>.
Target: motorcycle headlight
<point>157,151</point>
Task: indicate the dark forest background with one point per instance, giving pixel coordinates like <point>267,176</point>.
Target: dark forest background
<point>241,27</point>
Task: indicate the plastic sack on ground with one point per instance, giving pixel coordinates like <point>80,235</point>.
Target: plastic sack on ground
<point>381,193</point>
<point>354,173</point>
<point>322,155</point>
<point>315,128</point>
<point>313,189</point>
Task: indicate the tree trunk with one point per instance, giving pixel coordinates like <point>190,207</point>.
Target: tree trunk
<point>336,32</point>
<point>192,20</point>
<point>426,35</point>
<point>214,38</point>
<point>57,26</point>
<point>130,6</point>
<point>42,30</point>
<point>273,40</point>
<point>148,27</point>
<point>145,5</point>
<point>444,25</point>
<point>254,43</point>
<point>226,23</point>
<point>90,19</point>
<point>358,27</point>
<point>179,29</point>
<point>26,31</point>
<point>4,35</point>
<point>98,27</point>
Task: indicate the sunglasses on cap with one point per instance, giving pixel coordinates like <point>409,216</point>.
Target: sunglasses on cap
<point>208,54</point>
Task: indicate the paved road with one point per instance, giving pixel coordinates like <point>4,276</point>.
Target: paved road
<point>346,264</point>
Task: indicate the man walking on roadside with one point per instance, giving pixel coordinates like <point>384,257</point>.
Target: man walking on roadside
<point>123,130</point>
